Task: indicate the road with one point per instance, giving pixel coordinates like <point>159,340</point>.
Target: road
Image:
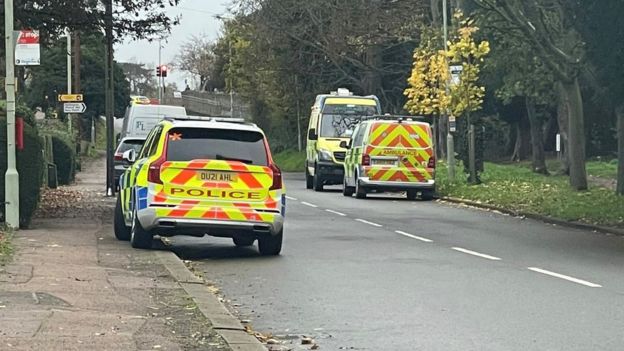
<point>391,274</point>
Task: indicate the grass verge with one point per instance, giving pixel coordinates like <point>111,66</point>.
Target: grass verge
<point>515,187</point>
<point>290,161</point>
<point>6,248</point>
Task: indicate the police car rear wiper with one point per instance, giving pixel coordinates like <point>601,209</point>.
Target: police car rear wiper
<point>224,158</point>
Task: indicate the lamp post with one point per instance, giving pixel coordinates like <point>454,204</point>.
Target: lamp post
<point>450,144</point>
<point>11,180</point>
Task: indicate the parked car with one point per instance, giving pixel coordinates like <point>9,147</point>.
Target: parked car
<point>202,176</point>
<point>125,144</point>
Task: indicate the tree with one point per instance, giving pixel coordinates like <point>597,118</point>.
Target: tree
<point>197,57</point>
<point>141,78</point>
<point>547,26</point>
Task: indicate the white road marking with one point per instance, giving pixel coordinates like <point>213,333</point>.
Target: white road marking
<point>308,204</point>
<point>566,277</point>
<point>291,198</point>
<point>413,236</point>
<point>336,212</point>
<point>474,253</point>
<point>367,222</point>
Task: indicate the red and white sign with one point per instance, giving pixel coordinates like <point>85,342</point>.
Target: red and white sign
<point>27,48</point>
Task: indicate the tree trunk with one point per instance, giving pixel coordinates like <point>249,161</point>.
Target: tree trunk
<point>442,130</point>
<point>435,14</point>
<point>576,134</point>
<point>562,120</point>
<point>538,157</point>
<point>620,174</point>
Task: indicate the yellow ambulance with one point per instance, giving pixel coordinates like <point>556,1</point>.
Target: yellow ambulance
<point>390,153</point>
<point>333,119</point>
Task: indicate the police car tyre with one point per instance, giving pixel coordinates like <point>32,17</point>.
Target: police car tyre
<point>270,245</point>
<point>139,237</point>
<point>346,189</point>
<point>360,192</point>
<point>243,242</point>
<point>427,195</point>
<point>122,232</point>
<point>411,194</point>
<point>309,179</point>
<point>317,181</point>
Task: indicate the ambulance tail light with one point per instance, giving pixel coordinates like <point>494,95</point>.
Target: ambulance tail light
<point>153,173</point>
<point>277,177</point>
<point>432,162</point>
<point>366,160</point>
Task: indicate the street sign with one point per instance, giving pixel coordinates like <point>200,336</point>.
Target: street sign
<point>70,98</point>
<point>452,124</point>
<point>74,107</point>
<point>27,48</point>
<point>456,71</point>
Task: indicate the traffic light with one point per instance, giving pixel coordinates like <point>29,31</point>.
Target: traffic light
<point>163,71</point>
<point>158,72</point>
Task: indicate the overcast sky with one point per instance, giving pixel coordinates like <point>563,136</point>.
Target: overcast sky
<point>197,17</point>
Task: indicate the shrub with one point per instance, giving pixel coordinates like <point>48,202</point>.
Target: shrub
<point>30,169</point>
<point>65,159</point>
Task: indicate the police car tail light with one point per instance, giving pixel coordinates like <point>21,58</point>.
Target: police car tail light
<point>432,162</point>
<point>153,173</point>
<point>277,177</point>
<point>366,160</point>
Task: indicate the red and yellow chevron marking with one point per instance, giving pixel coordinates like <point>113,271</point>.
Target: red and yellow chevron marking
<point>195,198</point>
<point>410,143</point>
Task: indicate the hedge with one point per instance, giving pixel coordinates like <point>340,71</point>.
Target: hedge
<point>65,160</point>
<point>30,169</point>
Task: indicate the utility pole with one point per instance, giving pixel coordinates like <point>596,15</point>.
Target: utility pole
<point>11,178</point>
<point>450,144</point>
<point>160,94</point>
<point>110,103</point>
<point>231,81</point>
<point>68,34</point>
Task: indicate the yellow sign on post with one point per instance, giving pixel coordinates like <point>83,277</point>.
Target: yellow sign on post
<point>70,98</point>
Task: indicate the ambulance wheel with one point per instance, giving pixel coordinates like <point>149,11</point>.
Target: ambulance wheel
<point>360,192</point>
<point>270,245</point>
<point>243,242</point>
<point>346,189</point>
<point>427,195</point>
<point>139,237</point>
<point>317,182</point>
<point>122,232</point>
<point>411,194</point>
<point>309,179</point>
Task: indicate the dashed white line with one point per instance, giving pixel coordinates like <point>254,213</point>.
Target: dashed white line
<point>291,198</point>
<point>336,212</point>
<point>478,254</point>
<point>308,204</point>
<point>413,236</point>
<point>565,277</point>
<point>369,223</point>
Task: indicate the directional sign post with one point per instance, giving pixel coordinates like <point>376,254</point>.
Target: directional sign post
<point>74,107</point>
<point>70,98</point>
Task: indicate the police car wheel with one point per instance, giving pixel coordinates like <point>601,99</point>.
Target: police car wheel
<point>411,194</point>
<point>270,245</point>
<point>317,181</point>
<point>360,192</point>
<point>122,232</point>
<point>139,237</point>
<point>309,179</point>
<point>346,189</point>
<point>243,242</point>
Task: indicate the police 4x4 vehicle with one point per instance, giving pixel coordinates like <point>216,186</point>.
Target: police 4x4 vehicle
<point>390,153</point>
<point>333,119</point>
<point>197,176</point>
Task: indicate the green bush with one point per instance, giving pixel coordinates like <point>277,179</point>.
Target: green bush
<point>30,169</point>
<point>65,159</point>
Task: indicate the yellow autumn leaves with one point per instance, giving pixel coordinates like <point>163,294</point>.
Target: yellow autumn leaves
<point>430,91</point>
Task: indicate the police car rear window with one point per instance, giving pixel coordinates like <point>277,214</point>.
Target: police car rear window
<point>186,144</point>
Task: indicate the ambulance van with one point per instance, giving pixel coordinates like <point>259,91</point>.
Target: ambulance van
<point>333,119</point>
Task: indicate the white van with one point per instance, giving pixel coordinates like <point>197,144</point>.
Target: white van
<point>140,119</point>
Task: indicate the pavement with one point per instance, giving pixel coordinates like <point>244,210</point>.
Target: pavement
<point>386,273</point>
<point>73,286</point>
